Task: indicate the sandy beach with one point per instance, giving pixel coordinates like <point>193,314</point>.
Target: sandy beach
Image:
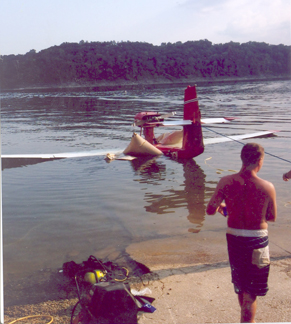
<point>207,296</point>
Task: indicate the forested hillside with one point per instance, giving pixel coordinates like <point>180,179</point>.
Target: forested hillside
<point>96,62</point>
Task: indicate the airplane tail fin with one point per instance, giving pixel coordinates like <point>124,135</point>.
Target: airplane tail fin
<point>193,137</point>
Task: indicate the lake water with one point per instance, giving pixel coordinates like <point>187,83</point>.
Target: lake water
<point>151,211</point>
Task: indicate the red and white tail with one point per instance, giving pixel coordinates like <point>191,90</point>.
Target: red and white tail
<point>193,137</point>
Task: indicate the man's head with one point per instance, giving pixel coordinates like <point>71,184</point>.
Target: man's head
<point>252,154</point>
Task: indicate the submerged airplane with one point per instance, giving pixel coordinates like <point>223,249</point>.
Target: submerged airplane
<point>182,144</point>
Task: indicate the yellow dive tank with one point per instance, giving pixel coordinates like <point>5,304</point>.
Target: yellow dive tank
<point>91,276</point>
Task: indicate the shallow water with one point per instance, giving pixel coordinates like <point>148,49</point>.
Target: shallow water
<point>67,209</point>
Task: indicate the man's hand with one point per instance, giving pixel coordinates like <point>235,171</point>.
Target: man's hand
<point>222,209</point>
<point>285,178</point>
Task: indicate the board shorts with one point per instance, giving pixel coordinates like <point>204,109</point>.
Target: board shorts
<point>249,259</point>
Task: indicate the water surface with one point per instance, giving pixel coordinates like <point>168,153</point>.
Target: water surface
<point>67,209</point>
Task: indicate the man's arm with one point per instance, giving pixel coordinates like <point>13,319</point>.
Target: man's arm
<point>272,206</point>
<point>216,199</point>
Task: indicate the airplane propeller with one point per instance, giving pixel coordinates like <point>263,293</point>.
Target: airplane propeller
<point>158,118</point>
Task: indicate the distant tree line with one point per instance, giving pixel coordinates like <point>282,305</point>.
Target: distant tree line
<point>87,63</point>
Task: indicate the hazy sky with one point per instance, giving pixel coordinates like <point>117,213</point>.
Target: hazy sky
<point>39,24</point>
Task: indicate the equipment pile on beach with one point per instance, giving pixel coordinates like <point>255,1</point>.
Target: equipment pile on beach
<point>104,292</point>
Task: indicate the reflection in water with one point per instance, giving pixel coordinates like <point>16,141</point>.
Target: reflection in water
<point>149,169</point>
<point>8,163</point>
<point>191,196</point>
<point>195,194</point>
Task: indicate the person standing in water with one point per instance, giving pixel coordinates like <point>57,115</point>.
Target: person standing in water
<point>250,203</point>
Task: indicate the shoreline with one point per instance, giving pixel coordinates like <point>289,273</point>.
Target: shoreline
<point>147,84</point>
<point>201,293</point>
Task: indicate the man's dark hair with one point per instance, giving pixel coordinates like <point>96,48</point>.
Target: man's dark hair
<point>251,153</point>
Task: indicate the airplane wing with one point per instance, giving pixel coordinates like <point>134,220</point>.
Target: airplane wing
<point>61,155</point>
<point>49,157</point>
<point>216,120</point>
<point>183,122</point>
<point>235,137</point>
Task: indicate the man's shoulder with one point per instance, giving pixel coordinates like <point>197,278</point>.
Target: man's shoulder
<point>229,178</point>
<point>226,180</point>
<point>266,184</point>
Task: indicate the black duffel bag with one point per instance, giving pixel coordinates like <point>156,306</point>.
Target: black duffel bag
<point>113,300</point>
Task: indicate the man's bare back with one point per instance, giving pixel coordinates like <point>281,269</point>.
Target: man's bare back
<point>249,199</point>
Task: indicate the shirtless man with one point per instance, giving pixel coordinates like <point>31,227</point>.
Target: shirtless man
<point>250,203</point>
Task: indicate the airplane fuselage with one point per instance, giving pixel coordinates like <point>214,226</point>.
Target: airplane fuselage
<point>190,143</point>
